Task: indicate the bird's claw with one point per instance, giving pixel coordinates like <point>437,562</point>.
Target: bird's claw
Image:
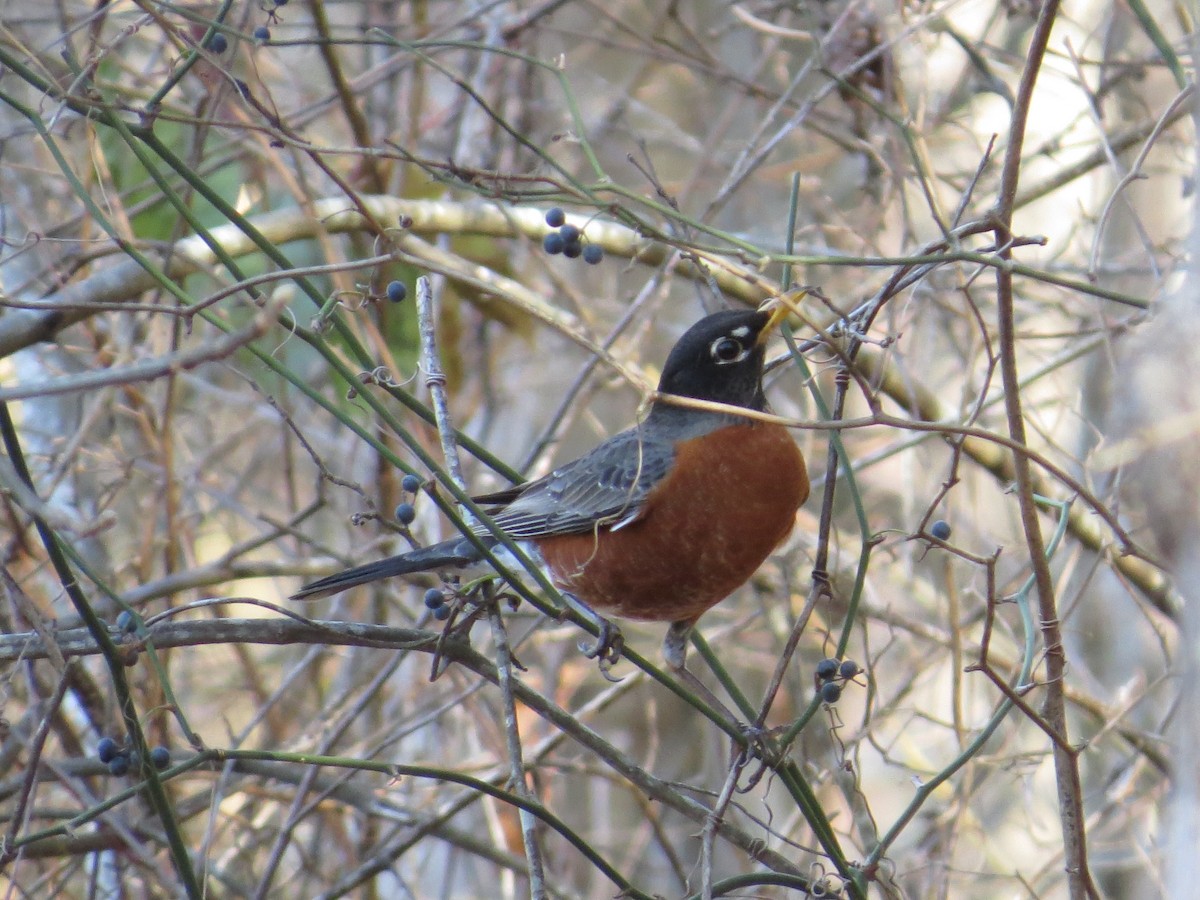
<point>606,649</point>
<point>606,672</point>
<point>757,742</point>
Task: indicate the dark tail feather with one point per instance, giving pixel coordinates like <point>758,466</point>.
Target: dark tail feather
<point>448,554</point>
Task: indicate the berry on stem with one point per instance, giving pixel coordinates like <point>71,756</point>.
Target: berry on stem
<point>940,530</point>
<point>593,254</point>
<point>107,750</point>
<point>831,692</point>
<point>406,513</point>
<point>410,484</point>
<point>435,599</point>
<point>827,668</point>
<point>555,217</point>
<point>553,243</point>
<point>396,291</point>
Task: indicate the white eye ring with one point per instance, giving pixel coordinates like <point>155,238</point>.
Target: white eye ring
<point>726,350</point>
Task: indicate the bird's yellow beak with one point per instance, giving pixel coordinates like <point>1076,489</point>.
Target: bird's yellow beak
<point>779,308</point>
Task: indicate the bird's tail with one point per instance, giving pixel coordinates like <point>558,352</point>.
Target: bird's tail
<point>454,553</point>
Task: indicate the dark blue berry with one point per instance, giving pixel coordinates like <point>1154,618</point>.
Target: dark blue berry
<point>126,621</point>
<point>160,757</point>
<point>572,249</point>
<point>434,598</point>
<point>831,692</point>
<point>940,530</point>
<point>442,613</point>
<point>827,668</point>
<point>118,765</point>
<point>553,243</point>
<point>555,217</point>
<point>410,484</point>
<point>107,750</point>
<point>406,513</point>
<point>396,291</point>
<point>569,233</point>
<point>593,254</point>
<point>218,43</point>
<point>262,33</point>
<point>848,669</point>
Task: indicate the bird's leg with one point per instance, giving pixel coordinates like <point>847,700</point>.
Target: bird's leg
<point>608,645</point>
<point>675,644</point>
<point>675,656</point>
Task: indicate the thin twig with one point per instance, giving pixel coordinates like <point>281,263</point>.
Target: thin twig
<point>435,380</point>
<point>32,760</point>
<point>218,348</point>
<point>709,832</point>
<point>1070,789</point>
<point>518,778</point>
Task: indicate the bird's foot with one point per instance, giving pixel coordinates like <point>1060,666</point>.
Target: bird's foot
<point>607,647</point>
<point>757,743</point>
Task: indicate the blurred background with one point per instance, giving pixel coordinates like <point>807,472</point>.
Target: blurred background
<point>217,388</point>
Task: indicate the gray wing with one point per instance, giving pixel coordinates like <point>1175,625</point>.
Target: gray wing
<point>608,485</point>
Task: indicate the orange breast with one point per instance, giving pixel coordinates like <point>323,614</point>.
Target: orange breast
<point>730,499</point>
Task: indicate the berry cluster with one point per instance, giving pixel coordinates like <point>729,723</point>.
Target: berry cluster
<point>829,672</point>
<point>435,601</point>
<point>406,512</point>
<point>121,760</point>
<point>262,33</point>
<point>568,240</point>
<point>218,43</point>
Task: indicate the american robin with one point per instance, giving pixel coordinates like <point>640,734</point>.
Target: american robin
<point>662,521</point>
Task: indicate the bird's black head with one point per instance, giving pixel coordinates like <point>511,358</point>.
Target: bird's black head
<point>720,358</point>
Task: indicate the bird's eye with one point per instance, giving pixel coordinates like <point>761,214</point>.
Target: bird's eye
<point>727,350</point>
